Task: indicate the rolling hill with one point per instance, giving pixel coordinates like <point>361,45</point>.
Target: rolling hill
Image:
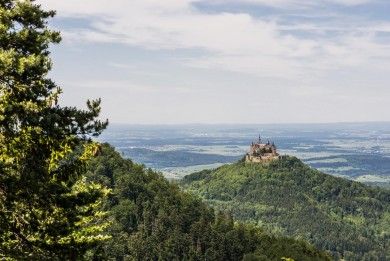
<point>350,219</point>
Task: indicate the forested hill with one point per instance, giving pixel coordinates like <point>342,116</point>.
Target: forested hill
<point>348,218</point>
<point>152,219</point>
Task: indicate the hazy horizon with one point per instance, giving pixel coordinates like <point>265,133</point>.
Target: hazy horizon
<point>299,125</point>
<point>358,151</point>
<point>253,123</point>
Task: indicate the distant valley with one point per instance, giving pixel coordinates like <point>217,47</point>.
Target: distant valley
<point>358,151</point>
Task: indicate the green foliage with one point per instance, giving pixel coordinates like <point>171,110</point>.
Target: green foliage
<point>153,219</point>
<point>287,197</point>
<point>47,210</point>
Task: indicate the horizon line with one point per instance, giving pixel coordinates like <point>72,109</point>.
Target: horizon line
<point>270,123</point>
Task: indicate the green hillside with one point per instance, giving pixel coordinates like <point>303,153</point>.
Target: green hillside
<point>348,218</point>
<point>152,219</point>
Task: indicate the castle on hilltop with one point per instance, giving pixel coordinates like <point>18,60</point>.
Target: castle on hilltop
<point>260,152</point>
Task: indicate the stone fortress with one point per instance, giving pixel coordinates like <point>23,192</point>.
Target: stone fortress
<point>260,152</point>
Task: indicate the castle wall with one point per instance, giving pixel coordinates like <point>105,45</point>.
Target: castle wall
<point>262,159</point>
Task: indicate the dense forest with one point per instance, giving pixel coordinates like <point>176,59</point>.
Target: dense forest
<point>350,219</point>
<point>152,219</point>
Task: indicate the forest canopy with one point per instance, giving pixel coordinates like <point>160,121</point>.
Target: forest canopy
<point>152,219</point>
<point>350,219</point>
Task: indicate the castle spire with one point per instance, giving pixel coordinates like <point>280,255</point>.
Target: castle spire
<point>262,152</point>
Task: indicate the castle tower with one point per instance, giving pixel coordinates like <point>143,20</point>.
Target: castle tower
<point>273,148</point>
<point>261,153</point>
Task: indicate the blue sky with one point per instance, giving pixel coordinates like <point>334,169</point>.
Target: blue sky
<point>225,61</point>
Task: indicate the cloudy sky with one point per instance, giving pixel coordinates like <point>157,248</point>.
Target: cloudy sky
<point>225,61</point>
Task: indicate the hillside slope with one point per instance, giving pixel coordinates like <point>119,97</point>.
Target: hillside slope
<point>348,218</point>
<point>152,219</point>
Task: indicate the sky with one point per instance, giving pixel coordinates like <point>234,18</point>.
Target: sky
<point>225,61</point>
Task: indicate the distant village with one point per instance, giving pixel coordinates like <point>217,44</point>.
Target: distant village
<point>260,152</point>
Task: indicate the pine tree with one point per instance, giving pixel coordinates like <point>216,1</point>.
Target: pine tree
<point>47,209</point>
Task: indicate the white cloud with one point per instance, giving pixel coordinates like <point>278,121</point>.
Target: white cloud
<point>314,67</point>
<point>351,2</point>
<point>293,3</point>
<point>175,25</point>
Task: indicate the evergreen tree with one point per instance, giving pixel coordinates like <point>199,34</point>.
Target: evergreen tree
<point>47,209</point>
